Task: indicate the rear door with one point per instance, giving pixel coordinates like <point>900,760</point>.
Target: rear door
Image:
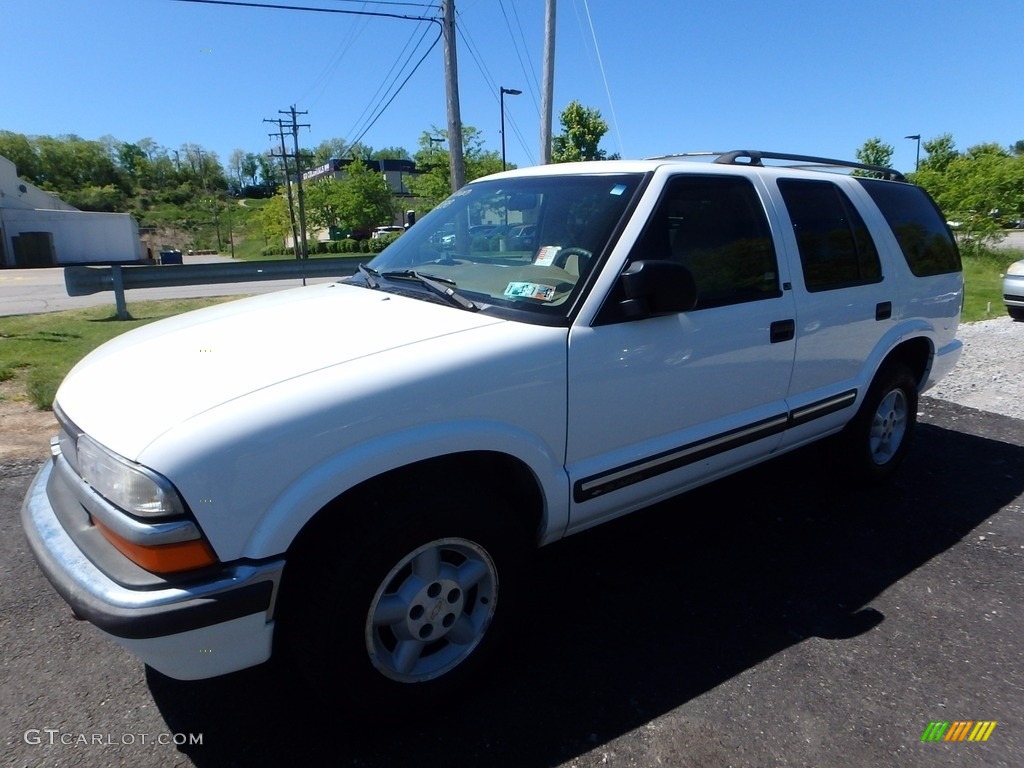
<point>845,302</point>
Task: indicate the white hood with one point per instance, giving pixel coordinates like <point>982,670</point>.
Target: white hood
<point>134,388</point>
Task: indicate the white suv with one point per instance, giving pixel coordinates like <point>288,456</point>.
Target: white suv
<point>354,474</point>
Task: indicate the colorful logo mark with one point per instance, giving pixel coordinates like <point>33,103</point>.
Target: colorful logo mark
<point>958,730</point>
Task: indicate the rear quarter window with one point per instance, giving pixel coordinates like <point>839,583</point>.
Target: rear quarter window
<point>915,220</point>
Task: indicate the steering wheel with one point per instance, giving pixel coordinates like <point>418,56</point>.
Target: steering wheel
<point>563,256</point>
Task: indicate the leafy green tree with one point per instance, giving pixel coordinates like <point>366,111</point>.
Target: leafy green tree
<point>978,190</point>
<point>133,163</point>
<point>17,148</point>
<point>364,198</point>
<point>273,218</point>
<point>250,169</point>
<point>941,151</point>
<point>330,149</point>
<point>582,131</point>
<point>323,203</point>
<point>391,153</point>
<point>875,152</point>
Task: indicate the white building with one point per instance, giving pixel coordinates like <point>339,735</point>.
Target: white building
<point>38,229</point>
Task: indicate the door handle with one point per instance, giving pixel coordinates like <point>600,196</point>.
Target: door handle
<point>782,330</point>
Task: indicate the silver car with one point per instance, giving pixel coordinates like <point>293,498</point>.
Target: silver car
<point>1013,290</point>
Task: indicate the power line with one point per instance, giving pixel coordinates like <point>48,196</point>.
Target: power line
<point>604,77</point>
<point>399,90</point>
<point>277,7</point>
<point>493,87</point>
<point>371,107</point>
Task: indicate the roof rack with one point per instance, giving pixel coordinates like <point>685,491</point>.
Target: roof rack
<point>755,157</point>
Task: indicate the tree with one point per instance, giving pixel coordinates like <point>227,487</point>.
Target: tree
<point>977,189</point>
<point>329,149</point>
<point>582,131</point>
<point>273,218</point>
<point>361,199</point>
<point>391,153</point>
<point>364,199</point>
<point>875,152</point>
<point>323,203</point>
<point>236,160</point>
<point>941,151</point>
<point>19,150</point>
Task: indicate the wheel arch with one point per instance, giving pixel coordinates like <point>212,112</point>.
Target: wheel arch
<point>481,470</point>
<point>915,353</point>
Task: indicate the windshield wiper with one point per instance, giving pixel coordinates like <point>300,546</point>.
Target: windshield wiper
<point>435,284</point>
<point>369,275</point>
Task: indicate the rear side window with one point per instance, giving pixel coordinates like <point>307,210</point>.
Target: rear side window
<point>836,249</point>
<point>918,226</point>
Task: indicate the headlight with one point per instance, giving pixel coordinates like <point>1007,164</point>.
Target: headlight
<point>134,489</point>
<point>1017,268</point>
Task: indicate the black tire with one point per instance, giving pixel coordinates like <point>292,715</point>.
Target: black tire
<point>369,633</point>
<point>877,438</point>
<point>1017,313</point>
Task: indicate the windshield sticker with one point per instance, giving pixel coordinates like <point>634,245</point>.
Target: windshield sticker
<point>618,189</point>
<point>530,291</point>
<point>546,255</point>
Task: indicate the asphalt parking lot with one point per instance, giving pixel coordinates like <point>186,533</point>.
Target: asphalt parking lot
<point>777,618</point>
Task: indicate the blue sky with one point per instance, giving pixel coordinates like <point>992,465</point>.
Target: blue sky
<point>815,77</point>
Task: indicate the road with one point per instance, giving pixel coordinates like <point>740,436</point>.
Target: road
<point>776,618</point>
<point>29,291</point>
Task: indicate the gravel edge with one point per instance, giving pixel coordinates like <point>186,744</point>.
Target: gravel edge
<point>990,374</point>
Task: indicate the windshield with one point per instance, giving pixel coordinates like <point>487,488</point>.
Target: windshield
<point>523,243</point>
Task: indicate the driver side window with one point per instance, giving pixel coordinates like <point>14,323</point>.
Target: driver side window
<point>716,227</point>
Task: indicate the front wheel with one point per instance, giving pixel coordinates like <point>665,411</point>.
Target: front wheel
<point>400,610</point>
<point>1017,313</point>
<point>877,438</point>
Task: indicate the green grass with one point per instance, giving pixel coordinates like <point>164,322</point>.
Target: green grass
<point>37,351</point>
<point>983,281</point>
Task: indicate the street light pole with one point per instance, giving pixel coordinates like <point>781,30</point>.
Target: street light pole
<point>917,137</point>
<point>510,92</point>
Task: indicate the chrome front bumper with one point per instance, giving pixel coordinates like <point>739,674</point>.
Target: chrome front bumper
<point>170,626</point>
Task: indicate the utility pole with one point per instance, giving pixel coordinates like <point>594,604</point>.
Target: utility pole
<point>298,175</point>
<point>287,180</point>
<point>451,86</point>
<point>548,86</point>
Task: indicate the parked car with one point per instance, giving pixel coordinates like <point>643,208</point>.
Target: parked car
<point>365,503</point>
<point>379,232</point>
<point>521,237</point>
<point>1013,290</point>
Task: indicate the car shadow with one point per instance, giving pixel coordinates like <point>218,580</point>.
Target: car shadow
<point>641,615</point>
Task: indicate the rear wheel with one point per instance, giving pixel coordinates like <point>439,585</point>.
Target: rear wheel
<point>1017,313</point>
<point>404,613</point>
<point>877,438</point>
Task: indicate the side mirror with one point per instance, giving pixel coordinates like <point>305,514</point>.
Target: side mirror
<point>656,288</point>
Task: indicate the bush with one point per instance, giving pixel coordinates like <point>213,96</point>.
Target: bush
<point>42,388</point>
<point>380,243</point>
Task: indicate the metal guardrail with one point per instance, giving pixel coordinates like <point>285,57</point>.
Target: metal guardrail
<point>84,281</point>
